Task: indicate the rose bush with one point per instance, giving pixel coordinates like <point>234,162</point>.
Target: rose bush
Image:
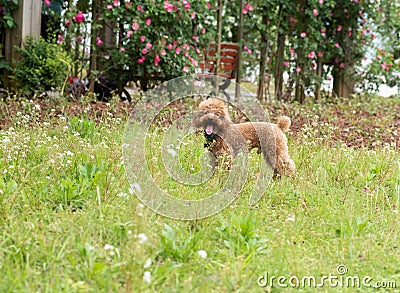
<point>156,40</point>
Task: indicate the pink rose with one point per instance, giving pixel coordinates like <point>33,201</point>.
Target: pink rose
<point>129,33</point>
<point>186,4</point>
<point>79,17</point>
<point>142,38</point>
<point>169,7</point>
<point>163,52</point>
<point>144,51</point>
<point>177,50</point>
<point>194,62</point>
<point>315,12</point>
<point>47,2</point>
<point>185,69</point>
<point>148,21</point>
<point>99,42</point>
<point>303,35</point>
<point>247,8</point>
<point>60,38</point>
<point>169,47</point>
<point>157,60</point>
<point>149,46</point>
<point>286,64</point>
<point>135,26</point>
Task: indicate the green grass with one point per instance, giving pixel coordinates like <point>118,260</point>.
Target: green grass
<point>69,222</point>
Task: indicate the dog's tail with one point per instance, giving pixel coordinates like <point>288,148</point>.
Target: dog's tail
<point>284,123</point>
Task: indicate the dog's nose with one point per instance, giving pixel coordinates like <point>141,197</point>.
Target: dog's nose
<point>210,119</point>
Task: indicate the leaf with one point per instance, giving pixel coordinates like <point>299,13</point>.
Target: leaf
<point>11,186</point>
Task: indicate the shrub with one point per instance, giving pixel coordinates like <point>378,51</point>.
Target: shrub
<point>156,39</point>
<point>43,66</point>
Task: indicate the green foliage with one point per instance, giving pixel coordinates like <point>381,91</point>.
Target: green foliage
<point>384,58</point>
<point>239,234</point>
<point>43,66</point>
<point>84,127</point>
<point>177,245</point>
<point>6,9</point>
<point>6,22</point>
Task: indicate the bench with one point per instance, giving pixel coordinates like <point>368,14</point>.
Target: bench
<point>227,64</point>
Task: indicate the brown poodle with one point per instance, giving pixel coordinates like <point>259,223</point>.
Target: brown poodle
<point>226,138</point>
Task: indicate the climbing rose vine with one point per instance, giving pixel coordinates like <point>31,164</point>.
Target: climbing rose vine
<point>155,38</point>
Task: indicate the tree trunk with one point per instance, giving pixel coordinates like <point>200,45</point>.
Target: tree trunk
<point>279,66</point>
<point>263,61</point>
<point>343,85</point>
<point>239,53</point>
<point>319,74</point>
<point>93,36</point>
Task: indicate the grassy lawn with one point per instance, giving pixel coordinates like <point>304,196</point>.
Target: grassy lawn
<point>70,222</point>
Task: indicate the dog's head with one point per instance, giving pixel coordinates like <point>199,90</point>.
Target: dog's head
<point>212,116</point>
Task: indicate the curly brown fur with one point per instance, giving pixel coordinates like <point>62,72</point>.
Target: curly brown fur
<point>226,138</point>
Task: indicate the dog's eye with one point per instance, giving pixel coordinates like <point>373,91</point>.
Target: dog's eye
<point>218,114</point>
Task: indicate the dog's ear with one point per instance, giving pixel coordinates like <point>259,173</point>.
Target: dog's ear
<point>225,120</point>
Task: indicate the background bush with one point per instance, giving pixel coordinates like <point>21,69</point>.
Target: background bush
<point>43,67</point>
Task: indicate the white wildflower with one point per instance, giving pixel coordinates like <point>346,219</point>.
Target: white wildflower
<point>142,237</point>
<point>202,253</point>
<point>147,264</point>
<point>108,247</point>
<point>147,277</point>
<point>290,218</point>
